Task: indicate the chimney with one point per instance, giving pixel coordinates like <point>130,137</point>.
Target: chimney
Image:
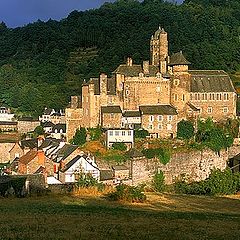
<point>129,62</point>
<point>146,67</point>
<point>103,83</point>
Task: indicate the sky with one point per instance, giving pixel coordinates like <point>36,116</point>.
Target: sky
<point>16,13</point>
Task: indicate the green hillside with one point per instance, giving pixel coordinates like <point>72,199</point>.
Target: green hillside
<point>44,63</point>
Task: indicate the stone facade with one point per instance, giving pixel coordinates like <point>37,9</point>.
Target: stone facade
<point>164,81</point>
<point>9,151</point>
<point>25,126</point>
<point>193,166</point>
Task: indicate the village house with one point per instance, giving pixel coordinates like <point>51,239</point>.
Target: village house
<point>50,115</point>
<point>9,151</point>
<point>155,95</point>
<point>58,131</point>
<point>81,164</point>
<point>27,124</point>
<point>125,136</point>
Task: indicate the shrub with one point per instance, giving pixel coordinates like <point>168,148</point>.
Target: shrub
<point>141,133</point>
<point>163,155</point>
<point>158,182</point>
<point>119,146</point>
<point>79,137</point>
<point>95,133</point>
<point>185,130</point>
<point>87,181</point>
<point>128,193</point>
<point>219,182</point>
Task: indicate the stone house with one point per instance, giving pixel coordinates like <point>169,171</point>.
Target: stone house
<point>5,114</point>
<point>50,115</point>
<point>59,131</point>
<point>80,164</point>
<point>120,172</point>
<point>164,81</point>
<point>33,162</point>
<point>10,151</point>
<point>8,126</point>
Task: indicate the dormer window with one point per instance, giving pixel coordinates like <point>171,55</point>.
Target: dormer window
<point>141,75</point>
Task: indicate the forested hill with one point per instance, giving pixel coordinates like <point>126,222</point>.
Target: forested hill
<point>43,63</point>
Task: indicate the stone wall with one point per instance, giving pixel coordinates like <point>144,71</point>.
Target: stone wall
<point>27,126</point>
<point>194,166</point>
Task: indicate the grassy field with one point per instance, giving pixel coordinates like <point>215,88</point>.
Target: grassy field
<point>161,217</point>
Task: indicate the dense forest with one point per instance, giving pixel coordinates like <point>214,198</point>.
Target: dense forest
<point>44,63</point>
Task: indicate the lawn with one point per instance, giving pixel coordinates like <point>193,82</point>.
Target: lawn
<point>161,217</point>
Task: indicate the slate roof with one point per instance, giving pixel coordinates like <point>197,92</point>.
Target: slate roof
<point>50,142</point>
<point>47,124</point>
<point>134,153</point>
<point>47,111</point>
<point>119,167</point>
<point>158,110</point>
<point>65,151</point>
<point>28,157</point>
<point>132,114</point>
<point>111,109</point>
<point>134,70</point>
<point>6,123</point>
<point>178,59</point>
<point>210,81</point>
<point>106,175</point>
<point>30,143</point>
<point>193,107</point>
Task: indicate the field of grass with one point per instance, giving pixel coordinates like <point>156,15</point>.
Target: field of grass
<point>161,217</point>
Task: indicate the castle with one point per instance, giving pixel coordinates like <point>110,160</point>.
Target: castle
<point>154,96</point>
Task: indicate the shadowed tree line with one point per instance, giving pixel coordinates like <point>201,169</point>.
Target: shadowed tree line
<point>43,63</point>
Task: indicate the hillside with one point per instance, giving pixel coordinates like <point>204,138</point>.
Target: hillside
<point>43,63</point>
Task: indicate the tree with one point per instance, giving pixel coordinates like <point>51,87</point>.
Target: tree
<point>119,146</point>
<point>80,137</point>
<point>39,130</point>
<point>141,133</point>
<point>185,130</point>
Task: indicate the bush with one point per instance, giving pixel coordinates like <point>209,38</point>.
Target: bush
<point>87,181</point>
<point>163,155</point>
<point>128,193</point>
<point>141,133</point>
<point>158,182</point>
<point>95,133</point>
<point>119,146</point>
<point>219,182</point>
<point>185,130</point>
<point>79,137</point>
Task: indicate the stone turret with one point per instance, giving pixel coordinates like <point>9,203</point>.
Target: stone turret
<point>159,50</point>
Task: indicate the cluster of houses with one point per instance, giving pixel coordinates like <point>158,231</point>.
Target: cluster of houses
<point>59,161</point>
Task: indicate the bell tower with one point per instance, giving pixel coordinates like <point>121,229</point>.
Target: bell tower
<point>159,50</point>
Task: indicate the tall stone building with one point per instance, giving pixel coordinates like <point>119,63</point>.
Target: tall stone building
<point>155,95</point>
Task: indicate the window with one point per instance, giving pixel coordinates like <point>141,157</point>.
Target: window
<point>169,127</point>
<point>217,96</point>
<point>175,97</point>
<point>225,96</point>
<point>129,133</point>
<point>170,118</point>
<point>225,109</point>
<point>158,89</point>
<point>127,92</point>
<point>151,118</point>
<point>160,118</point>
<point>160,126</point>
<point>123,133</point>
<point>176,82</point>
<point>150,126</point>
<point>191,96</point>
<point>117,133</point>
<point>209,110</point>
<point>183,97</point>
<point>110,133</point>
<point>220,96</point>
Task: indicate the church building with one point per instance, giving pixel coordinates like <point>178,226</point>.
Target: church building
<point>154,96</point>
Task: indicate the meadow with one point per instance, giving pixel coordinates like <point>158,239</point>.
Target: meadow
<point>164,216</point>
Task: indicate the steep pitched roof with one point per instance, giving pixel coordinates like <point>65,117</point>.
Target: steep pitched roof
<point>210,81</point>
<point>65,151</point>
<point>178,59</point>
<point>106,174</point>
<point>158,110</point>
<point>29,143</point>
<point>28,157</point>
<point>120,167</point>
<point>47,124</point>
<point>129,71</point>
<point>111,109</point>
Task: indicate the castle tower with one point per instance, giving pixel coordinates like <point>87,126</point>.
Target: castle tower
<point>159,50</point>
<point>180,90</point>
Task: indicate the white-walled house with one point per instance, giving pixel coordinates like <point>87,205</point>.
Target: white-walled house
<point>6,115</point>
<point>80,164</point>
<point>120,135</point>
